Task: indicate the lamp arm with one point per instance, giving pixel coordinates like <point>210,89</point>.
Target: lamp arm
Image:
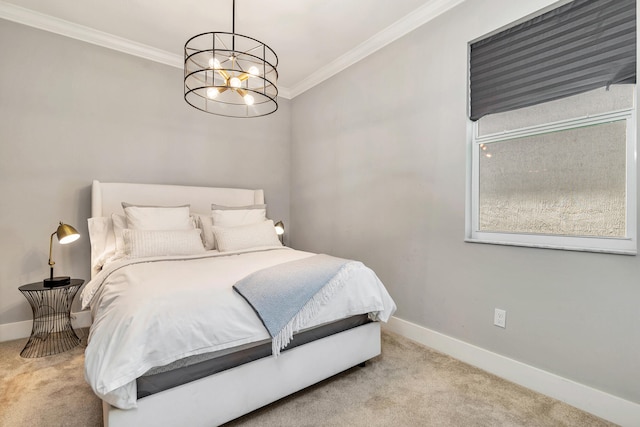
<point>51,262</point>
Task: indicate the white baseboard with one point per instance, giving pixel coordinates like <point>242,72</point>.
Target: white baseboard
<point>588,399</point>
<point>18,330</point>
<point>599,403</point>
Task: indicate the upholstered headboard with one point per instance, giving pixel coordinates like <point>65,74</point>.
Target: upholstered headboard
<point>106,197</point>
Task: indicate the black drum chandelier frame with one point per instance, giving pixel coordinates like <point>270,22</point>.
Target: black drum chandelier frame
<point>230,74</point>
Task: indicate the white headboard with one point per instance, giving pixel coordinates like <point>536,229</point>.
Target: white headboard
<point>107,197</point>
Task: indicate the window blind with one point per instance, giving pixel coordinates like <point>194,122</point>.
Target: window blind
<point>578,47</point>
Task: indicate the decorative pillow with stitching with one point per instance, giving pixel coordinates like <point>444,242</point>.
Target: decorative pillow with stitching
<point>240,237</point>
<point>157,218</point>
<point>119,224</point>
<point>231,216</point>
<point>149,243</point>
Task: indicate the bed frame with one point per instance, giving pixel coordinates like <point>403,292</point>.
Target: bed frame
<point>229,394</point>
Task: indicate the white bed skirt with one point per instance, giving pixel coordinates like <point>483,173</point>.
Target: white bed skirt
<point>232,393</point>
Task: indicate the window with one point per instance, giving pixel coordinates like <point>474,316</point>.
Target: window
<point>557,184</point>
<point>552,159</point>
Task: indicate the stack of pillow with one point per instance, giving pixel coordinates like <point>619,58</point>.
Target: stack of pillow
<point>147,231</point>
<point>234,228</point>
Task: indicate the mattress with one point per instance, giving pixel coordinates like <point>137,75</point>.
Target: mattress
<point>196,367</point>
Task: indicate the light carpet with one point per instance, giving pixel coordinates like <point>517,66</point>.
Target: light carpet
<point>408,385</point>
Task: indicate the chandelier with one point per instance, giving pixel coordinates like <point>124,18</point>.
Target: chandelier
<point>230,74</point>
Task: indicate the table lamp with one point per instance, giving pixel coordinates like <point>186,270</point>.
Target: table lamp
<point>280,230</point>
<point>66,234</point>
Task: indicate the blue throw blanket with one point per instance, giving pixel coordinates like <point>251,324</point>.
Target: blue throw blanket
<point>287,296</point>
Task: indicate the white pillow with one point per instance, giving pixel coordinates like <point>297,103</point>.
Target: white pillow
<point>204,222</point>
<point>102,239</point>
<point>157,218</point>
<point>149,243</point>
<point>246,236</point>
<point>229,216</point>
<point>119,224</point>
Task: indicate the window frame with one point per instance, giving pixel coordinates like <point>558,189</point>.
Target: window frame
<point>626,245</point>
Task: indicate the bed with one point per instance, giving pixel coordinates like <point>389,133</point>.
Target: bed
<point>176,337</point>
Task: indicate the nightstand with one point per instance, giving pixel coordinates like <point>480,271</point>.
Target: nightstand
<point>52,332</point>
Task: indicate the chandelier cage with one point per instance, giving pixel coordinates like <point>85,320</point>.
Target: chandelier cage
<point>230,74</point>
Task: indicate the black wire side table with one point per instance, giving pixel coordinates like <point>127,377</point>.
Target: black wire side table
<point>52,332</point>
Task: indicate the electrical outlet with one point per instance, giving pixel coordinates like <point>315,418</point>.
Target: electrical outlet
<point>500,318</point>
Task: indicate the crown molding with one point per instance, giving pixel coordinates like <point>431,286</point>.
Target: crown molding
<point>69,29</point>
<point>49,23</point>
<point>410,22</point>
<point>284,92</point>
<point>393,32</point>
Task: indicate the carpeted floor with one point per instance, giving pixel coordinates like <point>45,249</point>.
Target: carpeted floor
<point>46,391</point>
<point>408,385</point>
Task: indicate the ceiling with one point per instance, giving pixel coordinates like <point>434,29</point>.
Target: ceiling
<point>314,39</point>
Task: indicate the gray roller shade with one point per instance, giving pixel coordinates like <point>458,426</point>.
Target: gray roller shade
<point>581,46</point>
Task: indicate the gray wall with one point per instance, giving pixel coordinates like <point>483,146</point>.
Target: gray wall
<point>378,173</point>
<point>71,112</point>
<point>377,163</point>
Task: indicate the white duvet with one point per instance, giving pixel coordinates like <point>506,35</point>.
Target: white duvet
<point>153,311</point>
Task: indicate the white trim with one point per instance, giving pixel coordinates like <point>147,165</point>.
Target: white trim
<point>410,22</point>
<point>566,124</point>
<point>604,405</point>
<point>599,403</point>
<point>562,243</point>
<point>626,245</point>
<point>284,92</point>
<point>14,331</point>
<point>80,32</point>
<point>69,29</point>
<point>19,330</point>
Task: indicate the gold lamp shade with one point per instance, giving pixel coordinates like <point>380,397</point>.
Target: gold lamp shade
<point>65,234</point>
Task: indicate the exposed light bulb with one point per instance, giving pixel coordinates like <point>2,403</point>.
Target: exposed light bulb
<point>212,92</point>
<point>235,82</point>
<point>214,63</point>
<point>248,99</point>
<point>254,71</point>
